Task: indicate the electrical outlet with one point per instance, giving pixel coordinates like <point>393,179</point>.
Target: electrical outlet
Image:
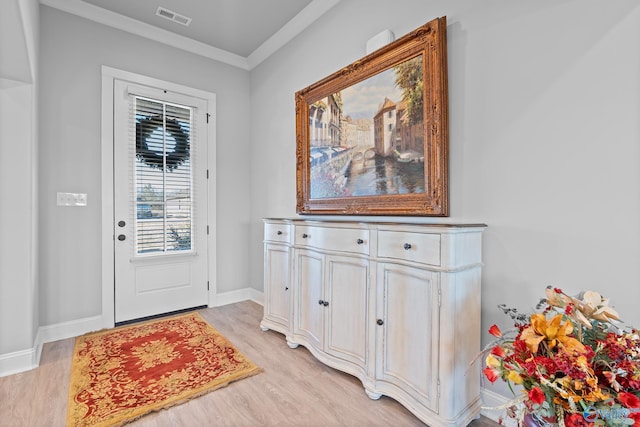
<point>71,199</point>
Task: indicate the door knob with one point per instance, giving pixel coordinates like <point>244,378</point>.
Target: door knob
<point>121,237</point>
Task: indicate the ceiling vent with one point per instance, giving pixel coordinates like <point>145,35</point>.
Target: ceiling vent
<point>172,16</point>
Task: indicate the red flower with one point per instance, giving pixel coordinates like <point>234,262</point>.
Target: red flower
<point>498,351</point>
<point>635,416</point>
<point>491,374</point>
<point>576,420</point>
<point>495,331</point>
<point>629,400</point>
<point>536,395</point>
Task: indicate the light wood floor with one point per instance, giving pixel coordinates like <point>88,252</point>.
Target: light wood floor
<point>294,389</point>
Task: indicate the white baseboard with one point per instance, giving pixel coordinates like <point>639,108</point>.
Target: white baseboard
<point>25,360</point>
<point>492,399</point>
<point>239,295</point>
<point>18,361</point>
<point>71,329</point>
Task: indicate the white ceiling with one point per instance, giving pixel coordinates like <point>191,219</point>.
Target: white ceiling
<point>240,32</point>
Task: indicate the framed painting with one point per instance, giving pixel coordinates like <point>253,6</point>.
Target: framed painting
<point>372,138</point>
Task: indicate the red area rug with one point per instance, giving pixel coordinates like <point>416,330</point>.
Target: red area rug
<point>121,374</point>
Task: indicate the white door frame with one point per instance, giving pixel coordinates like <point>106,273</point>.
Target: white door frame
<point>109,75</point>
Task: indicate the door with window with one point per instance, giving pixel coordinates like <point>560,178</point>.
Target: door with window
<point>160,201</point>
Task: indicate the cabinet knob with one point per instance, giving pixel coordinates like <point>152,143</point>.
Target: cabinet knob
<point>279,233</point>
<point>305,235</point>
<point>359,241</point>
<point>121,223</point>
<point>380,322</point>
<point>286,288</point>
<point>122,237</point>
<point>325,303</point>
<point>320,302</point>
<point>407,246</point>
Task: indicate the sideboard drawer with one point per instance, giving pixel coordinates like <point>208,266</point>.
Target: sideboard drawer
<point>333,239</point>
<point>418,247</point>
<point>277,232</point>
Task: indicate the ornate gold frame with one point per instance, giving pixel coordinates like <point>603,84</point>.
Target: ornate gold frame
<point>429,42</point>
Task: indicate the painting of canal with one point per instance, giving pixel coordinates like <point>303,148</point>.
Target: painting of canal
<point>368,139</point>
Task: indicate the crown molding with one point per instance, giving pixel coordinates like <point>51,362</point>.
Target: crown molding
<point>291,29</point>
<point>295,26</point>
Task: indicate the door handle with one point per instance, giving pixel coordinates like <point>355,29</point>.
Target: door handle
<point>121,237</point>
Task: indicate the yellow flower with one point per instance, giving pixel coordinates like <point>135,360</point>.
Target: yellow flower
<point>554,332</point>
<point>514,377</point>
<point>492,361</point>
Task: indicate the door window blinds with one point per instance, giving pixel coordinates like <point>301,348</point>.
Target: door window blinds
<point>162,202</point>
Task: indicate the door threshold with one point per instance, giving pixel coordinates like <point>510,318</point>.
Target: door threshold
<point>158,316</point>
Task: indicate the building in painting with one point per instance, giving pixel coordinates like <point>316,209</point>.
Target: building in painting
<point>325,117</point>
<point>394,135</point>
<point>410,137</point>
<point>384,128</point>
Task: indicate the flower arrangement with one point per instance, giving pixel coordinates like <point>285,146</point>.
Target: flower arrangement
<point>575,366</point>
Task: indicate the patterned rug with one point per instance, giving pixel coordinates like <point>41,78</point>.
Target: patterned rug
<point>121,374</point>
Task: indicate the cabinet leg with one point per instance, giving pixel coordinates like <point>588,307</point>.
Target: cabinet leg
<point>372,395</point>
<point>292,344</point>
<point>264,328</point>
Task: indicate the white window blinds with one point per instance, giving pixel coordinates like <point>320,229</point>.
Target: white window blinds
<point>162,202</point>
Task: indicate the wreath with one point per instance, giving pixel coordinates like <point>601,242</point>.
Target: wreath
<point>156,159</point>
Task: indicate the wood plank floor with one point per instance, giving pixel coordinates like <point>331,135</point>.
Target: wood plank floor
<point>294,389</point>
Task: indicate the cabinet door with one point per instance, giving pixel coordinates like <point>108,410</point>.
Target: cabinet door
<point>309,296</point>
<point>408,336</point>
<point>346,314</point>
<point>276,284</point>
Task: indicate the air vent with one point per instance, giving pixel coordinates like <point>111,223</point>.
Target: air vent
<point>172,16</point>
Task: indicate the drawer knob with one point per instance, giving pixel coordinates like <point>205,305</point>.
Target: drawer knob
<point>305,235</point>
<point>359,241</point>
<point>380,322</point>
<point>279,233</point>
<point>407,246</point>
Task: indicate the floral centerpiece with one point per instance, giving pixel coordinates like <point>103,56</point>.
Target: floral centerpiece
<point>574,365</point>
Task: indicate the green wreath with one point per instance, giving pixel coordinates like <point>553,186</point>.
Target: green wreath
<point>155,159</point>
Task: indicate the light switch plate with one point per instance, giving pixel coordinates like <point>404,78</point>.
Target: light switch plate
<point>72,199</point>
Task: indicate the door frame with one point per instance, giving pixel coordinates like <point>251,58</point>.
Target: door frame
<point>109,76</point>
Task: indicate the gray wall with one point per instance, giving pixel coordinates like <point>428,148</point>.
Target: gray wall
<point>544,107</point>
<point>544,103</point>
<point>19,314</point>
<point>72,53</point>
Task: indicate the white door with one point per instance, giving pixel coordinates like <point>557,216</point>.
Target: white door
<point>346,315</point>
<point>160,201</point>
<point>309,281</point>
<point>408,336</point>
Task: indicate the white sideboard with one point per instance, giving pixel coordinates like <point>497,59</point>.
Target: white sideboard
<point>396,305</point>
